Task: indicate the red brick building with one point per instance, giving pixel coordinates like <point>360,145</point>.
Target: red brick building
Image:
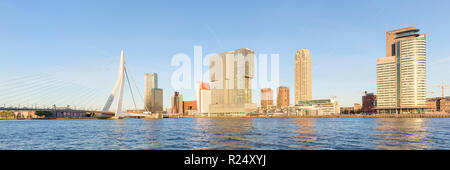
<point>438,104</point>
<point>369,102</point>
<point>189,107</point>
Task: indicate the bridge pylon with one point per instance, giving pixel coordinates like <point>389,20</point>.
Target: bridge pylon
<point>117,88</point>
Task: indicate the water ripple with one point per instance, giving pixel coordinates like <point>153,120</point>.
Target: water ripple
<point>224,134</point>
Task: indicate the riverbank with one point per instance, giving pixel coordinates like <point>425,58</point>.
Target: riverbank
<point>227,134</point>
<point>13,118</point>
<point>430,115</point>
<point>439,115</point>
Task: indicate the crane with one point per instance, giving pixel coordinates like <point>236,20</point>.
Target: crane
<point>442,86</point>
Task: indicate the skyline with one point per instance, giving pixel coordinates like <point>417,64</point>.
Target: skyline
<point>344,48</point>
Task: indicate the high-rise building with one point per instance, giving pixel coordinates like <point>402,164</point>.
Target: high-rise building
<point>303,79</point>
<point>203,94</point>
<point>266,97</point>
<point>177,103</point>
<point>401,75</point>
<point>157,100</point>
<point>231,75</point>
<point>153,98</point>
<point>282,97</point>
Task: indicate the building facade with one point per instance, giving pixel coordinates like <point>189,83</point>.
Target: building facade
<point>203,94</point>
<point>369,102</point>
<point>189,107</point>
<point>157,101</point>
<point>320,107</point>
<point>357,107</point>
<point>282,97</point>
<point>177,103</point>
<point>231,75</point>
<point>303,81</point>
<point>438,104</point>
<point>266,98</point>
<point>445,105</point>
<point>153,96</point>
<point>401,75</point>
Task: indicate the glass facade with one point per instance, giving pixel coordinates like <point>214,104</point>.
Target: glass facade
<point>386,84</point>
<point>412,72</point>
<point>401,79</point>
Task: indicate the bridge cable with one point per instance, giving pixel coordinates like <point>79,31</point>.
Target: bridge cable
<point>137,88</point>
<point>129,85</point>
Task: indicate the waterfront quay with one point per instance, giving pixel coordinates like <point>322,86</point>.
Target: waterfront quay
<point>23,114</point>
<point>426,115</point>
<point>45,113</point>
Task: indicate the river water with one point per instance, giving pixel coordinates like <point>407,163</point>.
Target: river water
<point>225,134</point>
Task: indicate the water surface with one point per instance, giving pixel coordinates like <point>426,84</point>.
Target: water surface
<point>233,133</point>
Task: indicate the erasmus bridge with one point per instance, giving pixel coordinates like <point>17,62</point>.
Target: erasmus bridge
<point>19,91</point>
<point>119,87</point>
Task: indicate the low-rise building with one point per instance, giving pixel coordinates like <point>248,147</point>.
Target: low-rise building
<point>139,111</point>
<point>369,102</point>
<point>438,104</point>
<point>356,109</point>
<point>321,107</point>
<point>190,107</point>
<point>445,105</point>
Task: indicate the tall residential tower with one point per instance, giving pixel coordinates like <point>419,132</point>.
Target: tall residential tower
<point>177,103</point>
<point>231,75</point>
<point>302,75</point>
<point>282,97</point>
<point>153,100</point>
<point>401,75</point>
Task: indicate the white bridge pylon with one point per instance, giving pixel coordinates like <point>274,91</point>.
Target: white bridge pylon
<point>119,85</point>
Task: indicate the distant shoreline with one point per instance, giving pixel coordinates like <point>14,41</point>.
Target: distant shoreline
<point>440,115</point>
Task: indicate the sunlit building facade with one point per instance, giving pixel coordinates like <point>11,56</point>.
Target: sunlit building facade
<point>177,103</point>
<point>303,80</point>
<point>153,96</point>
<point>401,75</point>
<point>282,97</point>
<point>319,107</point>
<point>203,94</point>
<point>369,102</point>
<point>266,98</point>
<point>231,75</point>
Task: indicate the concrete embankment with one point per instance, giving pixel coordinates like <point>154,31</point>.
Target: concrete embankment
<point>13,118</point>
<point>76,118</point>
<point>385,116</point>
<point>328,116</point>
<point>160,116</point>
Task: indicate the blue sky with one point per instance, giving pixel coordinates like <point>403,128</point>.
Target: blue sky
<point>80,40</point>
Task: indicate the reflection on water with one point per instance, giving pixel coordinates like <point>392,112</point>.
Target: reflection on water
<point>401,134</point>
<point>233,133</point>
<point>304,134</point>
<point>118,135</point>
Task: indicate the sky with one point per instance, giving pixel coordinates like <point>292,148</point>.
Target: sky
<point>71,48</point>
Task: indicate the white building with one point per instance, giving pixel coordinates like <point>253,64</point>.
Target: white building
<point>401,75</point>
<point>203,94</point>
